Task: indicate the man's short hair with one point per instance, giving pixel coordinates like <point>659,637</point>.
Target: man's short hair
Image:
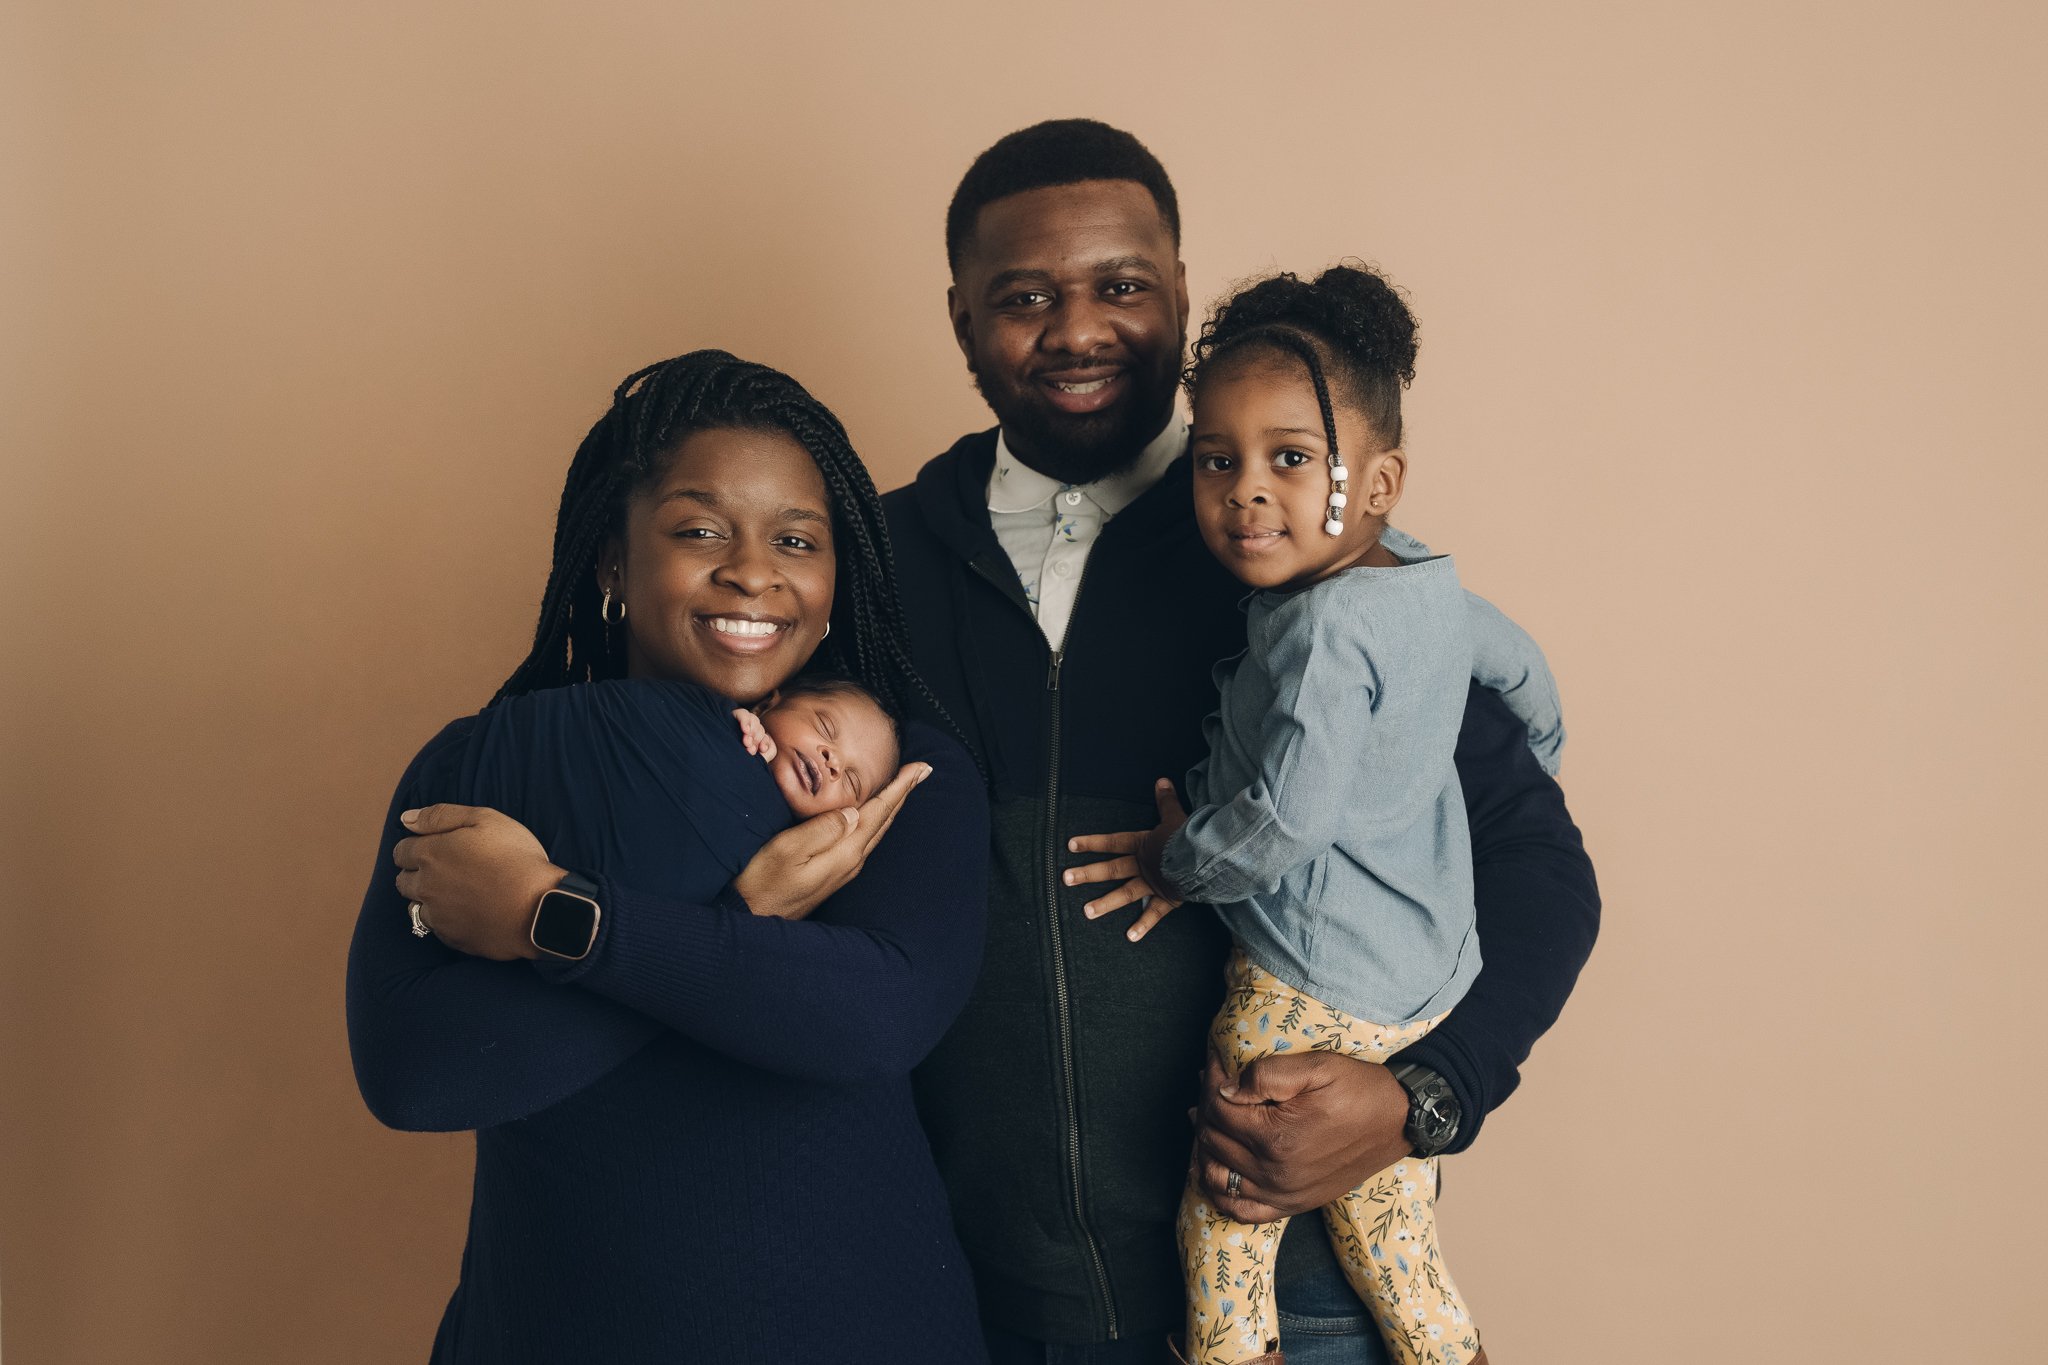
<point>1061,151</point>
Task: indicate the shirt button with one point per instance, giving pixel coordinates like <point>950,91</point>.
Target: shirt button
<point>1063,569</point>
<point>1073,499</point>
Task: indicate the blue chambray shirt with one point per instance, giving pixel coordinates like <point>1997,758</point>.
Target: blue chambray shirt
<point>1331,831</point>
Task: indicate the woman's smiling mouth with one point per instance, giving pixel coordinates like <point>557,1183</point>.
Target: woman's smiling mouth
<point>744,634</point>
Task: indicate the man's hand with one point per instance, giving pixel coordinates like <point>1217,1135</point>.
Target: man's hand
<point>793,873</point>
<point>477,875</point>
<point>1141,850</point>
<point>1299,1129</point>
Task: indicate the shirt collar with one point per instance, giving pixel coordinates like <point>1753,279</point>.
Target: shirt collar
<point>1014,486</point>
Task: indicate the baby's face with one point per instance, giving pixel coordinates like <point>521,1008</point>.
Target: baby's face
<point>832,749</point>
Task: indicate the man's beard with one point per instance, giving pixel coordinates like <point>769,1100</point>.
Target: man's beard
<point>1080,448</point>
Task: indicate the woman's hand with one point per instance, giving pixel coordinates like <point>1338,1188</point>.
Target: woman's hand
<point>793,873</point>
<point>477,875</point>
<point>1141,849</point>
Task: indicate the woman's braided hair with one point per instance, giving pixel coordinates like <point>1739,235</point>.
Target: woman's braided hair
<point>652,410</point>
<point>1348,322</point>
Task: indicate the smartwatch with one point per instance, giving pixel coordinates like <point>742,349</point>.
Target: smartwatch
<point>565,921</point>
<point>1433,1109</point>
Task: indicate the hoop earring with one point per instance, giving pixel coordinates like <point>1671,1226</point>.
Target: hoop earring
<point>828,631</point>
<point>604,610</point>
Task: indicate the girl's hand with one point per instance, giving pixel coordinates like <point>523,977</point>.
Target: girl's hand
<point>755,735</point>
<point>1141,849</point>
<point>793,873</point>
<point>477,875</point>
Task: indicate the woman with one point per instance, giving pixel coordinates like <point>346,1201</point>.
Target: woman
<point>695,1136</point>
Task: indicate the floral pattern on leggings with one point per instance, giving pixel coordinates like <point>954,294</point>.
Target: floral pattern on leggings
<point>1384,1231</point>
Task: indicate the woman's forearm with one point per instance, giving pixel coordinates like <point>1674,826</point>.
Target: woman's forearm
<point>861,990</point>
<point>443,1042</point>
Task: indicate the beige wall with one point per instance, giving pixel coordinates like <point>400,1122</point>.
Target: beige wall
<point>1732,322</point>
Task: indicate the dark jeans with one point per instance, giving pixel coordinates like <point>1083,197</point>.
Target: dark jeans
<point>1321,1323</point>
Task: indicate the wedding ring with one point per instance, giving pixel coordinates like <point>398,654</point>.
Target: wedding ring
<point>419,926</point>
<point>1234,1184</point>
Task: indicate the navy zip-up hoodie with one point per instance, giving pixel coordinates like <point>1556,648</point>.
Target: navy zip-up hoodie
<point>1057,1103</point>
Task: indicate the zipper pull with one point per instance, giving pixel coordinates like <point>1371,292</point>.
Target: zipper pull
<point>1052,674</point>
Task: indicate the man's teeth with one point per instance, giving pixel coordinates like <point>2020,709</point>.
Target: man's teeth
<point>1092,386</point>
<point>726,625</point>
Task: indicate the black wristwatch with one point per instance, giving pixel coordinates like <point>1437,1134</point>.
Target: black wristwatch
<point>565,921</point>
<point>1433,1109</point>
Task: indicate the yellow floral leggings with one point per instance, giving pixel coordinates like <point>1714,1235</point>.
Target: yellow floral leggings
<point>1384,1231</point>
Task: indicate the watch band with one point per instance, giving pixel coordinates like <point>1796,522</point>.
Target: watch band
<point>579,884</point>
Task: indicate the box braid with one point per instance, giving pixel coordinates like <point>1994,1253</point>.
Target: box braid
<point>652,410</point>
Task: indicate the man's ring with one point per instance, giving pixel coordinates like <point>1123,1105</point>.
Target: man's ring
<point>419,926</point>
<point>1234,1184</point>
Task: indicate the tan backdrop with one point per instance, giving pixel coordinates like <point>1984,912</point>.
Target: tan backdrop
<point>1730,386</point>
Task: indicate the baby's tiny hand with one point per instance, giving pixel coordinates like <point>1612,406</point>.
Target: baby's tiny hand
<point>755,735</point>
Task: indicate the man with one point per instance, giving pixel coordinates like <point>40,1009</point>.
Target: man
<point>1066,613</point>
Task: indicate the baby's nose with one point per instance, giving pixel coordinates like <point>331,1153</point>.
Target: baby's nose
<point>825,757</point>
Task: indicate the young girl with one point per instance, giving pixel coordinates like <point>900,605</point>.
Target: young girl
<point>1330,830</point>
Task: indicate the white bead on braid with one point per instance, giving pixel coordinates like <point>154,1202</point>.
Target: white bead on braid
<point>1335,524</point>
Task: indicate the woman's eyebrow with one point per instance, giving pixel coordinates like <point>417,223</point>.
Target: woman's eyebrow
<point>705,497</point>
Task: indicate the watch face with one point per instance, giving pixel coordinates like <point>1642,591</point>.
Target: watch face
<point>1434,1123</point>
<point>565,924</point>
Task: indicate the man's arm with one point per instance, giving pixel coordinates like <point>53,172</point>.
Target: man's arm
<point>1300,1129</point>
<point>1538,914</point>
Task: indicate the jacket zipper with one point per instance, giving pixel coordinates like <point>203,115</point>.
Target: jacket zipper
<point>1061,998</point>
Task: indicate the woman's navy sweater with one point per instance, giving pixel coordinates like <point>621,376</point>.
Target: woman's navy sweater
<point>698,1143</point>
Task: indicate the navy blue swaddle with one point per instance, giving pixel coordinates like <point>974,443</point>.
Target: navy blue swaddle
<point>643,780</point>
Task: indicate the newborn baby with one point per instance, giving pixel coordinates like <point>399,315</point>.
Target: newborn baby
<point>827,743</point>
